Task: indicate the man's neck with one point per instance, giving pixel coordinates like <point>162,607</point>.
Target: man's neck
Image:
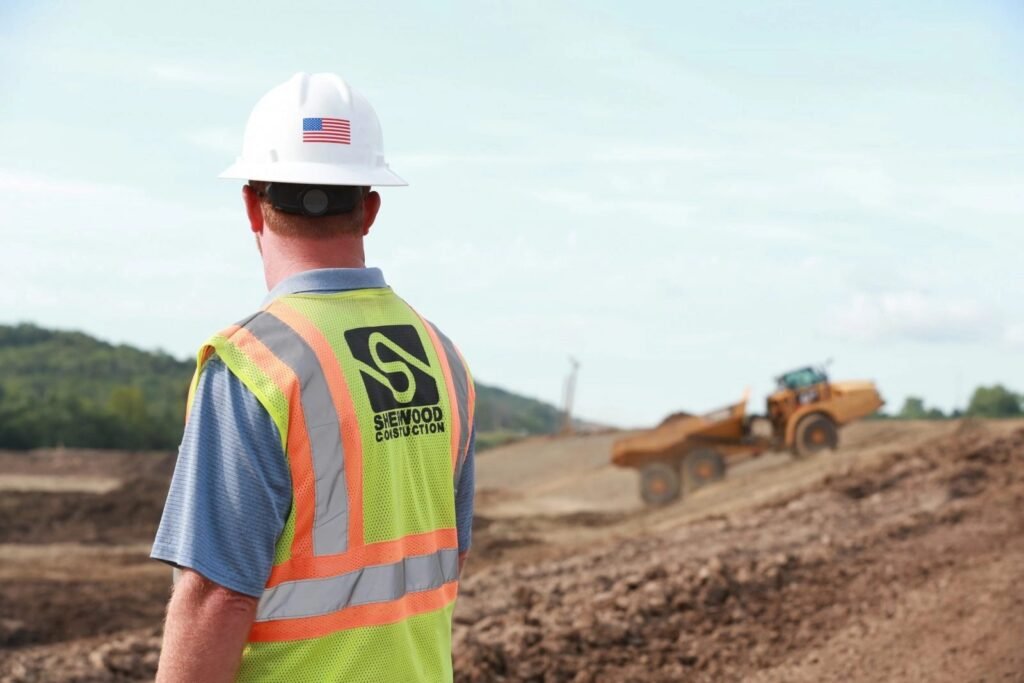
<point>286,256</point>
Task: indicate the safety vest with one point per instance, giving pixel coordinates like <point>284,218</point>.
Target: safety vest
<point>374,406</point>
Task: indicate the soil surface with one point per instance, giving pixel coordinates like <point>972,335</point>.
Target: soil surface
<point>900,557</point>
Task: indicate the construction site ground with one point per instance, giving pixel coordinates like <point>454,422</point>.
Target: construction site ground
<point>900,557</point>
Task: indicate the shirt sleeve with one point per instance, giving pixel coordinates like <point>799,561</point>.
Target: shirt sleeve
<point>231,491</point>
<point>464,489</point>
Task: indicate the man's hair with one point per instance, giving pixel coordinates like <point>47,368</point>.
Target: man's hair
<point>297,225</point>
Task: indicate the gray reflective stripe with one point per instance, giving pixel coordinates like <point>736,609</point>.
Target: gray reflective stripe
<point>245,321</point>
<point>330,521</point>
<point>379,583</point>
<point>461,382</point>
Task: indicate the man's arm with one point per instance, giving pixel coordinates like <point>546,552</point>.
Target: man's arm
<point>464,491</point>
<point>227,504</point>
<point>207,626</point>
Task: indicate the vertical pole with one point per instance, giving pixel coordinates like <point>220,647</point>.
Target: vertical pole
<point>569,396</point>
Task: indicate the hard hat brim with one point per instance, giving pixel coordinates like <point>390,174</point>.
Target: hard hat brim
<point>311,173</point>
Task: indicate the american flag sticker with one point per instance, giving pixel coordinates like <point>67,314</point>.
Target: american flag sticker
<point>337,131</point>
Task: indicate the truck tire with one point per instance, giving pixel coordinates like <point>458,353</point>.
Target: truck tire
<point>703,466</point>
<point>659,483</point>
<point>815,433</point>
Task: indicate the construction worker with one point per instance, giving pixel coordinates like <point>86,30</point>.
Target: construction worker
<point>320,510</point>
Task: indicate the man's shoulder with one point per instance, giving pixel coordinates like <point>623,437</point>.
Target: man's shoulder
<point>444,338</point>
<point>222,397</point>
<point>219,380</point>
<point>242,323</point>
<point>260,323</point>
<point>226,332</point>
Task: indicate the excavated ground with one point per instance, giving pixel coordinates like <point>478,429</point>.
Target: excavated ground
<point>905,566</point>
<point>898,558</point>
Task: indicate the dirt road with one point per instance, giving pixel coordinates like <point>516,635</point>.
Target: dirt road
<point>898,558</point>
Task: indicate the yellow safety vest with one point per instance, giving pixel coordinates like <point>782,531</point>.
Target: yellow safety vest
<point>374,406</point>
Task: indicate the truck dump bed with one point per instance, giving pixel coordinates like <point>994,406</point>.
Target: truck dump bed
<point>677,435</point>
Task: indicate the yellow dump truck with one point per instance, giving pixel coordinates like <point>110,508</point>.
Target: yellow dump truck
<point>686,452</point>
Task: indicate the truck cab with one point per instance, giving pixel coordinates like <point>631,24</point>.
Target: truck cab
<point>793,389</point>
<point>806,408</point>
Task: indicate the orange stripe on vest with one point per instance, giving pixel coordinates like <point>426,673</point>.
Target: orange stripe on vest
<point>452,399</point>
<point>300,456</point>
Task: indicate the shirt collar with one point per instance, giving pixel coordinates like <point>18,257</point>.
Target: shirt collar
<point>327,280</point>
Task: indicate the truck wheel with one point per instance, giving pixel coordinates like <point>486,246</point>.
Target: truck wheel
<point>815,433</point>
<point>703,466</point>
<point>659,483</point>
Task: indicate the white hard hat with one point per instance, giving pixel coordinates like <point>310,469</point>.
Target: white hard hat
<point>313,129</point>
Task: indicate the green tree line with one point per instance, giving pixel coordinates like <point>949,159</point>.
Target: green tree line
<point>993,401</point>
<point>68,388</point>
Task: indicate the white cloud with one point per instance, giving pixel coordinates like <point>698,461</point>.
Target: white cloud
<point>28,189</point>
<point>219,140</point>
<point>665,212</point>
<point>607,153</point>
<point>914,316</point>
<point>187,75</point>
<point>652,154</point>
<point>1014,335</point>
<point>28,182</point>
<point>506,128</point>
<point>866,184</point>
<point>437,159</point>
<point>1006,198</point>
<point>629,168</point>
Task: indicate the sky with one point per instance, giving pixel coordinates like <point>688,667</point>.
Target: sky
<point>688,197</point>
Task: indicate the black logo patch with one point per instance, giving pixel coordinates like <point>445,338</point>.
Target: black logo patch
<point>394,367</point>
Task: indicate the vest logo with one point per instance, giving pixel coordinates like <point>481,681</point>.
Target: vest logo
<point>396,374</point>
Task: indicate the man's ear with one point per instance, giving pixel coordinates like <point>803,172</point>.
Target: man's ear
<point>371,205</point>
<point>253,209</point>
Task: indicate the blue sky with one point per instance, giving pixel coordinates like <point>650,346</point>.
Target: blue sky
<point>689,197</point>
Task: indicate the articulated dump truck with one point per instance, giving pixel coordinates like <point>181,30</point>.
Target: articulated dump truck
<point>686,452</point>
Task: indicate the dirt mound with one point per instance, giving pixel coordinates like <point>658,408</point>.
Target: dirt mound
<point>51,590</point>
<point>84,462</point>
<point>131,656</point>
<point>724,598</point>
<point>899,558</point>
<point>129,513</point>
<point>527,538</point>
<point>46,611</point>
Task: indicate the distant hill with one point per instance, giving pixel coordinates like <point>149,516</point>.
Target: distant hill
<point>71,389</point>
<point>502,416</point>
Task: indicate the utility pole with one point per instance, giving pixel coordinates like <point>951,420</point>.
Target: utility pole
<point>570,394</point>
